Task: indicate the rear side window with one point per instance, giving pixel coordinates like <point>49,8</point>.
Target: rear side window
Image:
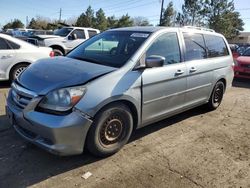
<point>167,45</point>
<point>13,45</point>
<point>216,46</point>
<point>195,47</point>
<point>92,33</point>
<point>79,33</point>
<point>4,45</point>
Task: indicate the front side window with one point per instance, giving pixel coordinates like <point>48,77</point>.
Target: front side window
<point>216,46</point>
<point>167,46</point>
<point>111,48</point>
<point>195,46</point>
<point>4,45</point>
<point>79,33</point>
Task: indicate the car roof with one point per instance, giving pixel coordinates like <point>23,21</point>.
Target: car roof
<point>152,29</point>
<point>17,41</point>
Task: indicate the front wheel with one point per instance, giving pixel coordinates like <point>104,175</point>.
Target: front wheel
<point>110,130</point>
<point>57,52</point>
<point>17,70</point>
<point>216,96</point>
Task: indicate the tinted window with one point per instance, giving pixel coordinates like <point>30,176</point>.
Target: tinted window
<point>63,32</point>
<point>13,45</point>
<point>216,46</point>
<point>247,52</point>
<point>111,48</point>
<point>195,46</point>
<point>3,44</point>
<point>79,33</point>
<point>167,46</point>
<point>92,33</point>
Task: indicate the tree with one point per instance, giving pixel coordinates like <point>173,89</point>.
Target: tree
<point>192,12</point>
<point>13,24</point>
<point>101,20</point>
<point>168,15</point>
<point>223,18</point>
<point>140,21</point>
<point>111,22</point>
<point>125,21</point>
<point>86,19</point>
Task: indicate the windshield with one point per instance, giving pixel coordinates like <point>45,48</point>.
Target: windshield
<point>247,52</point>
<point>63,32</point>
<point>111,48</point>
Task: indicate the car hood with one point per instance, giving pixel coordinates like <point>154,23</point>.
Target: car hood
<point>48,36</point>
<point>244,59</point>
<point>48,74</point>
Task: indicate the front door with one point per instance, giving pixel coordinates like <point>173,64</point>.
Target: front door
<point>80,37</point>
<point>163,89</point>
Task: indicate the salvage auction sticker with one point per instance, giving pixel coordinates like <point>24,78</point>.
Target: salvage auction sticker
<point>141,35</point>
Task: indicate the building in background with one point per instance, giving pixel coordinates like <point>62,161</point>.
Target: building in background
<point>243,38</point>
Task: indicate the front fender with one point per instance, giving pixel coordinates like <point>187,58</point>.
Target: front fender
<point>113,87</point>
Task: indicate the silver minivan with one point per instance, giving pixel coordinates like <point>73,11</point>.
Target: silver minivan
<point>116,82</point>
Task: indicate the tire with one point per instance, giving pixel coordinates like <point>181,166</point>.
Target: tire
<point>58,52</point>
<point>216,96</point>
<point>110,130</point>
<point>17,70</point>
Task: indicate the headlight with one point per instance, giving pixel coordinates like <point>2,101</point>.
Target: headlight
<point>62,99</point>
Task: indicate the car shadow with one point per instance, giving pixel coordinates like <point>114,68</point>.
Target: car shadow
<point>241,82</point>
<point>4,84</point>
<point>30,165</point>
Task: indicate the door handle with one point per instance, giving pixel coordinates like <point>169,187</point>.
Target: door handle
<point>193,69</point>
<point>179,72</point>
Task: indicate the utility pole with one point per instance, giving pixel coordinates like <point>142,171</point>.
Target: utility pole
<point>27,21</point>
<point>162,4</point>
<point>60,15</point>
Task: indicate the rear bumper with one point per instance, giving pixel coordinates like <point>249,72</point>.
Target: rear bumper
<point>240,72</point>
<point>61,135</point>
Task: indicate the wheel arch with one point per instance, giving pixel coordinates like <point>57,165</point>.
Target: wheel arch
<point>131,105</point>
<point>15,65</point>
<point>56,46</point>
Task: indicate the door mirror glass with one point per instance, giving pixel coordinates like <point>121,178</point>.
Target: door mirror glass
<point>154,61</point>
<point>72,37</point>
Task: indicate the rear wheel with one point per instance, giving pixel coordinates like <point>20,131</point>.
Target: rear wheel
<point>217,95</point>
<point>17,70</point>
<point>58,52</point>
<point>110,131</point>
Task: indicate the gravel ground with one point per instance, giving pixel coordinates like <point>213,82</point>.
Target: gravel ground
<point>194,149</point>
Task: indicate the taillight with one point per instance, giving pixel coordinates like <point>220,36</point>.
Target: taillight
<point>52,54</point>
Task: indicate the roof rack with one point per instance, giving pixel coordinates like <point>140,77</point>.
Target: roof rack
<point>199,28</point>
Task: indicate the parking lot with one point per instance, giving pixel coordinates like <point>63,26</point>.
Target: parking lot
<point>194,149</point>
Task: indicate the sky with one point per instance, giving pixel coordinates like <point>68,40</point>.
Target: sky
<point>21,9</point>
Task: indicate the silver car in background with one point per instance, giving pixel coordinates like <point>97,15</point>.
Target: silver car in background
<point>116,82</point>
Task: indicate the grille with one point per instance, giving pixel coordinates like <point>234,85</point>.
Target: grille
<point>244,74</point>
<point>21,96</point>
<point>245,65</point>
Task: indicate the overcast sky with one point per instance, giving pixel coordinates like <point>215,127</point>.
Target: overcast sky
<point>10,9</point>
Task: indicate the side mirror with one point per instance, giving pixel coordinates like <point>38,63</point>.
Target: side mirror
<point>72,37</point>
<point>154,61</point>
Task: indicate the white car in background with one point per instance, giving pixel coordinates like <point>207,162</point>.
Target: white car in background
<point>16,55</point>
<point>64,39</point>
